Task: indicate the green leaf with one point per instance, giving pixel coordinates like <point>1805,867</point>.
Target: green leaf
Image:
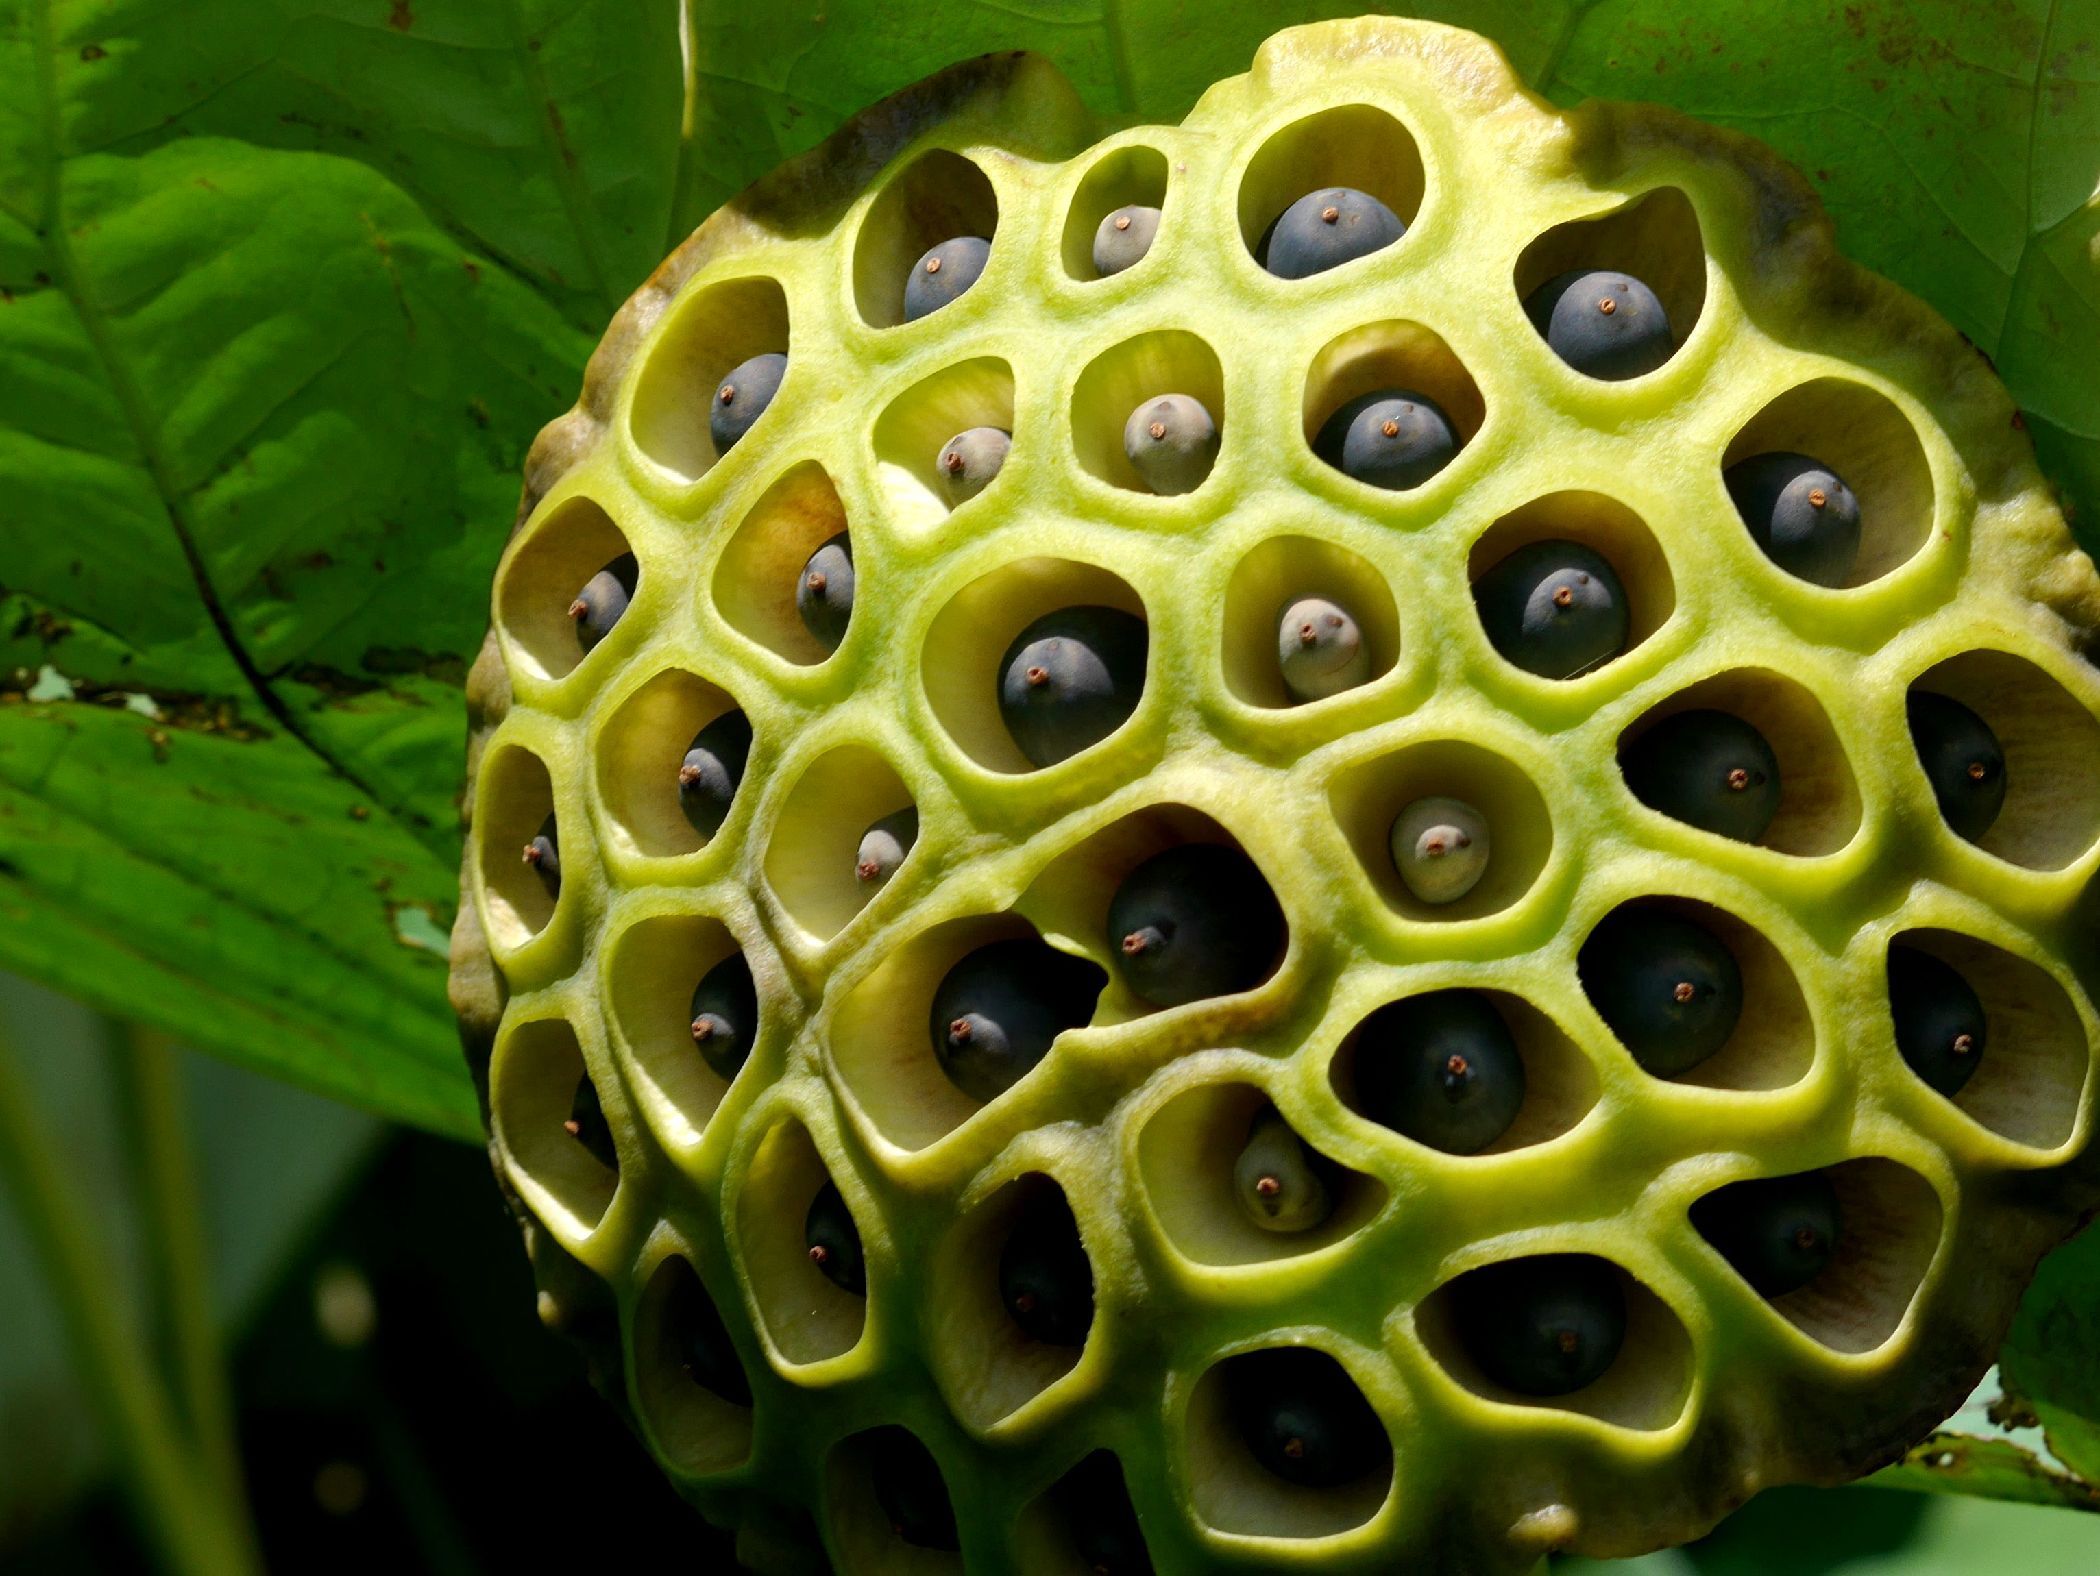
<point>262,414</point>
<point>2051,1356</point>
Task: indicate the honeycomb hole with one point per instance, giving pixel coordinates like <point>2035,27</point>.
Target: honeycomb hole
<point>1233,1492</point>
<point>1609,529</point>
<point>861,1527</point>
<point>540,579</point>
<point>1888,1231</point>
<point>1819,809</point>
<point>1070,899</point>
<point>937,197</point>
<point>656,964</point>
<point>1083,1525</point>
<point>757,577</point>
<point>1774,1042</point>
<point>808,1317</point>
<point>969,636</point>
<point>639,757</point>
<point>1391,355</point>
<point>517,796</point>
<point>684,1360</point>
<point>910,435</point>
<point>881,1042</point>
<point>2051,813</point>
<point>534,1083</point>
<point>1354,145</point>
<point>1368,797</point>
<point>1655,238</point>
<point>1646,1386</point>
<point>1116,382</point>
<point>989,1367</point>
<point>2028,1085</point>
<point>715,329</point>
<point>1135,175</point>
<point>1277,574</point>
<point>1560,1085</point>
<point>1861,436</point>
<point>1186,1157</point>
<point>812,858</point>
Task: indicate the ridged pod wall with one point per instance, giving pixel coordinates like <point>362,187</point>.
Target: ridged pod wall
<point>680,1231</point>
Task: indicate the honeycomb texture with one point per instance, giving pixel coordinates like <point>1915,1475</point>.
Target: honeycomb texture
<point>1967,579</point>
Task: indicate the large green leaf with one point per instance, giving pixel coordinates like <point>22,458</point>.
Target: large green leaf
<point>287,285</point>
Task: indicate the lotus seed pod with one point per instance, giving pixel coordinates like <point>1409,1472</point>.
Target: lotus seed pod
<point>970,460</point>
<point>1124,238</point>
<point>1533,1316</point>
<point>1320,649</point>
<point>1440,848</point>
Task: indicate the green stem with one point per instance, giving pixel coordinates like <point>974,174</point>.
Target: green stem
<point>171,1215</point>
<point>188,1524</point>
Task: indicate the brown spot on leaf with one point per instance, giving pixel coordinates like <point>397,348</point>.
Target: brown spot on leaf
<point>400,18</point>
<point>93,52</point>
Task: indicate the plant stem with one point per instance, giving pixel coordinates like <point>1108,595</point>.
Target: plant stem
<point>187,1523</point>
<point>171,1217</point>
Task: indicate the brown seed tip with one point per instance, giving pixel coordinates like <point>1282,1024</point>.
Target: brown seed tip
<point>867,870</point>
<point>1817,498</point>
<point>1564,596</point>
<point>1037,677</point>
<point>1456,1066</point>
<point>572,1127</point>
<point>958,1031</point>
<point>533,854</point>
<point>1158,429</point>
<point>1330,214</point>
<point>1134,943</point>
<point>1294,1447</point>
<point>727,394</point>
<point>688,775</point>
<point>816,580</point>
<point>1122,221</point>
<point>1684,992</point>
<point>819,1255</point>
<point>1978,771</point>
<point>1738,779</point>
<point>703,1028</point>
<point>1435,848</point>
<point>578,608</point>
<point>952,462</point>
<point>933,265</point>
<point>1567,1341</point>
<point>1025,1302</point>
<point>1391,428</point>
<point>1269,1187</point>
<point>1607,306</point>
<point>1964,1043</point>
<point>1805,1237</point>
<point>1308,635</point>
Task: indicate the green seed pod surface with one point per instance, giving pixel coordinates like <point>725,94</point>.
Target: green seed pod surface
<point>1965,584</point>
